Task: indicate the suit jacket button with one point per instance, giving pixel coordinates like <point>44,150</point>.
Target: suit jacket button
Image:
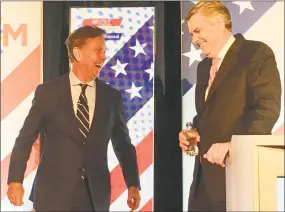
<point>82,177</point>
<point>83,169</point>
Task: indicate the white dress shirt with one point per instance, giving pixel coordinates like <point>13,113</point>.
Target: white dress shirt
<point>225,49</point>
<point>76,91</point>
<point>221,56</point>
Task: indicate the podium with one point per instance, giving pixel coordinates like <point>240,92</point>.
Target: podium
<point>252,168</point>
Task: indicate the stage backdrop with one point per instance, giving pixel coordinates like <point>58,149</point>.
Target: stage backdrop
<point>262,21</point>
<point>21,72</point>
<point>129,68</point>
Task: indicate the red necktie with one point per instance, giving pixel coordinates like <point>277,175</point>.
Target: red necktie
<point>213,72</point>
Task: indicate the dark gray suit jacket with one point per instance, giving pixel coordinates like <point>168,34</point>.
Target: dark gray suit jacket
<point>64,153</point>
<point>244,99</point>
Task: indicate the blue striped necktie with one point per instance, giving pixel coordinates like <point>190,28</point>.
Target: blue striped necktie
<point>82,113</point>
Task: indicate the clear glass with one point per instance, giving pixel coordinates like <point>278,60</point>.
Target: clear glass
<point>191,135</point>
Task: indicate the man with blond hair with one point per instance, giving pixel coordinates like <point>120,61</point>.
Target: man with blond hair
<point>238,92</point>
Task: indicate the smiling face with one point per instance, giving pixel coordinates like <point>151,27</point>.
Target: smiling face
<point>87,52</point>
<point>207,33</point>
<point>90,56</point>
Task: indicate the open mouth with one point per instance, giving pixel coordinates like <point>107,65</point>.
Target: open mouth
<point>98,65</point>
<point>200,44</point>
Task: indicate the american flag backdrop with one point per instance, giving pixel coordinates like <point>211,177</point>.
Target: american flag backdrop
<point>256,20</point>
<point>129,68</point>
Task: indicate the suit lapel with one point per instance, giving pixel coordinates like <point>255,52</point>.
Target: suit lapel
<point>98,109</point>
<point>230,60</point>
<point>203,83</point>
<point>66,106</point>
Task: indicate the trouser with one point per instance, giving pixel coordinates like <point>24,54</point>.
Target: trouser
<point>201,200</point>
<point>82,200</point>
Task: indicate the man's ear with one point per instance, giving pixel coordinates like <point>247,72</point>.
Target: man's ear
<point>77,53</point>
<point>220,22</point>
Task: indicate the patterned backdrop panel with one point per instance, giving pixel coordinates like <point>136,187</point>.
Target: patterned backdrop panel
<point>21,72</point>
<point>130,69</point>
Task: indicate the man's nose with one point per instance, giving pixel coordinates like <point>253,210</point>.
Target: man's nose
<point>103,56</point>
<point>195,39</point>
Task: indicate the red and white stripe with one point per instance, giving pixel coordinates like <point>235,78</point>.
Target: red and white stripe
<point>21,72</point>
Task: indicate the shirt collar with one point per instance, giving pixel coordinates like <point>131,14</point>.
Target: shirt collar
<point>75,81</point>
<point>226,47</point>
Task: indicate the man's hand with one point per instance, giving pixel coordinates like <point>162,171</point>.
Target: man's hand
<point>217,153</point>
<point>15,193</point>
<point>134,198</point>
<point>183,142</point>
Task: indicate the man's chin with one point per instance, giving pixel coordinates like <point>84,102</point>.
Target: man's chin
<point>207,54</point>
<point>96,74</point>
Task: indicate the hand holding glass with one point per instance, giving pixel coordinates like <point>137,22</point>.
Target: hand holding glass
<point>191,135</point>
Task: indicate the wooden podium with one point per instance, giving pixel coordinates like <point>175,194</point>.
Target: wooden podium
<point>252,168</point>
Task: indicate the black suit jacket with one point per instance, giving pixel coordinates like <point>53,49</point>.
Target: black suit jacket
<point>64,153</point>
<point>244,99</point>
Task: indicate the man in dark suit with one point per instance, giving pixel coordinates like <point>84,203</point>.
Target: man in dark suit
<point>238,92</point>
<point>79,115</point>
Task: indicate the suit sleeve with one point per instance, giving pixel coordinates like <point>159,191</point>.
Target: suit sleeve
<point>264,87</point>
<point>196,120</point>
<point>124,149</point>
<point>27,136</point>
